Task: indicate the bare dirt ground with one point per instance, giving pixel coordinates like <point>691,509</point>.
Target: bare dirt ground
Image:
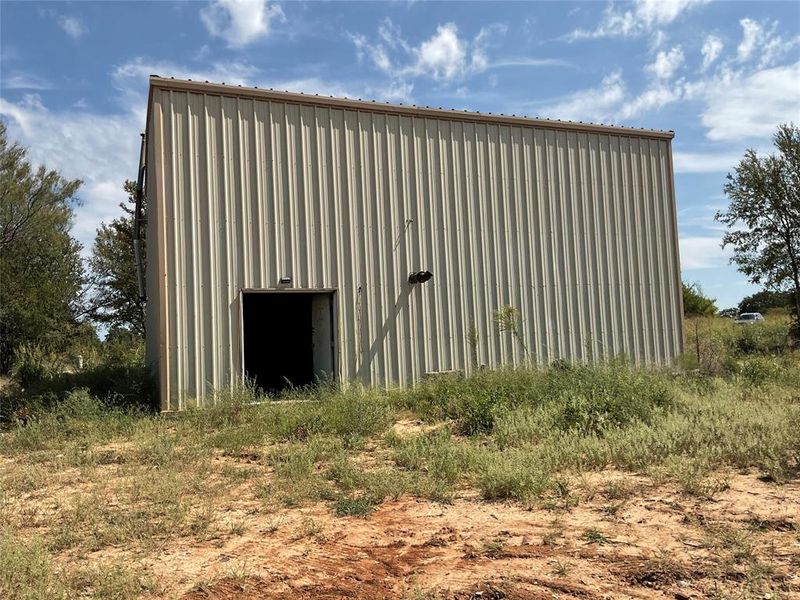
<point>653,543</point>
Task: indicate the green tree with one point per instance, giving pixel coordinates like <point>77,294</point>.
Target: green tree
<point>695,303</point>
<point>41,273</point>
<point>763,217</point>
<point>764,300</point>
<point>116,300</point>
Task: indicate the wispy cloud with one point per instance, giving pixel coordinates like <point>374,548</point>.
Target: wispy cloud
<point>19,80</point>
<point>642,18</point>
<point>712,48</point>
<point>445,56</point>
<point>705,162</point>
<point>72,25</point>
<point>503,63</point>
<point>702,252</point>
<point>234,72</point>
<point>761,41</point>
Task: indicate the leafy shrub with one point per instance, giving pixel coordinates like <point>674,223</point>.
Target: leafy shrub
<point>33,363</point>
<point>763,338</point>
<point>474,402</point>
<point>115,385</point>
<point>478,413</point>
<point>585,398</point>
<point>764,369</point>
<point>611,398</point>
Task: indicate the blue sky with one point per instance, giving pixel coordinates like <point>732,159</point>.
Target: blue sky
<point>73,78</point>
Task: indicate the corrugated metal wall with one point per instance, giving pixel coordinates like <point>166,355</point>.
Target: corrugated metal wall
<point>575,229</point>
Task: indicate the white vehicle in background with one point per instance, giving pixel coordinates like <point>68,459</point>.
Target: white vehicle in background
<point>749,318</point>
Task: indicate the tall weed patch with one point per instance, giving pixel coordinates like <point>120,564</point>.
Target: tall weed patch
<point>79,417</point>
<point>716,345</point>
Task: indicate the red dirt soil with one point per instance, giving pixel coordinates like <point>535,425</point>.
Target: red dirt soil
<point>658,543</point>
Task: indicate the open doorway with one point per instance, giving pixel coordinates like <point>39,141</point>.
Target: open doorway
<point>288,338</point>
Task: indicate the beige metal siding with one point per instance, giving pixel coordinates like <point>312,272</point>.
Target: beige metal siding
<point>574,228</point>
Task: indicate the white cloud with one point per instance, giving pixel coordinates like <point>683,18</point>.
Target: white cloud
<point>131,78</point>
<point>312,85</point>
<point>760,40</point>
<point>699,162</point>
<point>666,63</point>
<point>702,252</point>
<point>610,102</point>
<point>662,12</point>
<point>444,55</point>
<point>236,73</point>
<point>745,106</point>
<point>658,39</point>
<point>381,59</point>
<point>736,104</point>
<point>712,48</point>
<point>395,91</point>
<point>375,52</point>
<point>72,26</point>
<point>751,35</point>
<point>645,16</point>
<point>240,22</point>
<point>652,98</point>
<point>594,104</point>
<point>774,48</point>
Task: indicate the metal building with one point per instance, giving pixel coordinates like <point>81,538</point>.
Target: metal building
<point>282,229</point>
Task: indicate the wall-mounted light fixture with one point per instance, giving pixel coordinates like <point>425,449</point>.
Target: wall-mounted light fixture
<point>285,280</point>
<point>419,276</point>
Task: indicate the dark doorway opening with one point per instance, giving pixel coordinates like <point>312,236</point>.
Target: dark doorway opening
<point>288,338</point>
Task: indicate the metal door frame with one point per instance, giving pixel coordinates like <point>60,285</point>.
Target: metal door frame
<point>332,292</point>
